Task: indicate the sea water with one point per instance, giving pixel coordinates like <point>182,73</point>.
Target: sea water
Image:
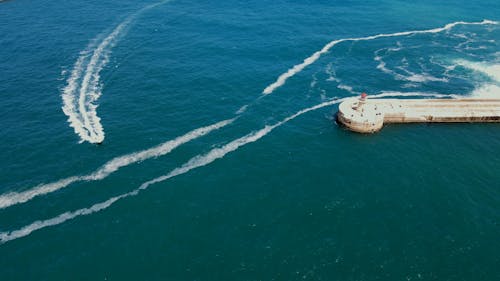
<point>196,140</point>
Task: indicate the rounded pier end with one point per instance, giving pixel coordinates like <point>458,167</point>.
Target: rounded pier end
<point>360,116</point>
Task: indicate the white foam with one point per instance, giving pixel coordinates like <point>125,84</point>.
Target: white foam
<point>332,75</point>
<point>28,229</point>
<point>242,110</point>
<point>382,67</point>
<point>411,76</point>
<point>314,81</point>
<point>193,163</point>
<point>110,167</point>
<point>384,94</point>
<point>491,70</point>
<point>90,89</point>
<point>82,112</point>
<point>396,49</point>
<point>346,88</point>
<point>487,90</point>
<point>315,56</point>
<point>68,96</point>
<point>424,77</point>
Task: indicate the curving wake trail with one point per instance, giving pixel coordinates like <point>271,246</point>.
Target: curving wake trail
<point>83,87</point>
<point>94,58</point>
<point>315,56</point>
<point>70,107</point>
<point>193,163</point>
<point>13,198</point>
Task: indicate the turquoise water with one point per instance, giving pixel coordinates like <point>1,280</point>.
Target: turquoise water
<point>220,158</point>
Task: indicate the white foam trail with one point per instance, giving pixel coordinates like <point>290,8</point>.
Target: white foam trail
<point>491,70</point>
<point>314,57</point>
<point>332,75</point>
<point>345,88</point>
<point>411,77</point>
<point>382,67</point>
<point>487,91</point>
<point>82,113</point>
<point>13,198</point>
<point>193,163</point>
<point>384,94</point>
<point>90,89</point>
<point>27,230</point>
<point>68,96</point>
<point>242,109</point>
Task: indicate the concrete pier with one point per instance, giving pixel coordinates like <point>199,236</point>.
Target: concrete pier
<point>366,115</point>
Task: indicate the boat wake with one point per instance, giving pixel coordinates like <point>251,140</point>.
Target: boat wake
<point>490,86</point>
<point>84,87</point>
<point>315,56</point>
<point>84,80</point>
<point>195,162</point>
<point>410,75</point>
<point>13,198</point>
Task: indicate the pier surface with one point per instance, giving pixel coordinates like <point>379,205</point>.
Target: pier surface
<point>366,115</point>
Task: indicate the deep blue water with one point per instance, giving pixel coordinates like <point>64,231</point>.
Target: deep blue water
<point>209,169</point>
